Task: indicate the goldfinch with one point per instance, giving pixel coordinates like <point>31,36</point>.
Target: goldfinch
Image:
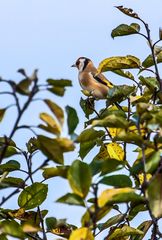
<point>96,85</point>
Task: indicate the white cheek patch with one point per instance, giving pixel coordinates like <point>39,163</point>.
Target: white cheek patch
<point>81,64</point>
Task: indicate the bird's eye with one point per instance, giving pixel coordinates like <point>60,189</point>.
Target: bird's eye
<point>77,63</point>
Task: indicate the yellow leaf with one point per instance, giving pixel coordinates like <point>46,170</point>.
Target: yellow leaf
<point>141,177</point>
<point>52,125</point>
<point>115,151</point>
<point>27,227</point>
<point>82,234</point>
<point>114,131</point>
<point>134,99</point>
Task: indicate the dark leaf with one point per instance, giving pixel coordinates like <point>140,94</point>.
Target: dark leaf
<point>71,199</point>
<point>125,29</point>
<point>59,82</point>
<point>119,180</point>
<point>87,106</point>
<point>72,119</point>
<point>12,182</point>
<point>128,11</point>
<point>2,113</point>
<point>10,166</point>
<point>113,220</point>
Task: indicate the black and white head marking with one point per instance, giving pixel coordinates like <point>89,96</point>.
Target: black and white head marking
<point>81,63</point>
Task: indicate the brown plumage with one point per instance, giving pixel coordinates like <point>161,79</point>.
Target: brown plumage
<point>97,85</point>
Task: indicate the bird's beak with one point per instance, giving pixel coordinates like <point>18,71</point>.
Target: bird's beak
<point>74,65</point>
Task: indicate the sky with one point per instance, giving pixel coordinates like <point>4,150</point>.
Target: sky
<point>50,35</point>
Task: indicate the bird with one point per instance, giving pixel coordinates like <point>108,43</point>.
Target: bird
<point>97,85</point>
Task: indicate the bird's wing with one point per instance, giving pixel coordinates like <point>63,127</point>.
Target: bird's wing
<point>102,79</point>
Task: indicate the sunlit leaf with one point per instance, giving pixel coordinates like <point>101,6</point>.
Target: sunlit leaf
<point>115,151</point>
<point>52,126</point>
<point>59,91</point>
<point>111,121</point>
<point>154,196</point>
<point>150,82</point>
<point>56,110</point>
<point>81,234</point>
<point>125,29</point>
<point>148,62</point>
<point>124,231</point>
<point>125,74</point>
<point>119,62</point>
<point>119,180</point>
<point>79,176</point>
<point>72,119</point>
<point>129,137</point>
<point>71,199</point>
<point>60,171</point>
<point>118,195</point>
<point>33,196</point>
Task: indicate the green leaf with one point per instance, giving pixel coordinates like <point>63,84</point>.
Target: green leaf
<point>118,195</point>
<point>148,62</point>
<point>113,220</point>
<point>51,223</point>
<point>87,140</point>
<point>59,91</point>
<point>2,113</point>
<point>154,196</point>
<point>51,125</point>
<point>12,228</point>
<point>87,106</point>
<point>119,93</point>
<point>59,82</point>
<point>135,209</point>
<point>124,231</point>
<point>128,11</point>
<point>125,74</point>
<point>79,176</point>
<point>72,119</point>
<point>119,180</point>
<point>3,237</point>
<point>23,86</point>
<point>144,227</point>
<point>12,182</point>
<point>56,110</point>
<point>111,121</point>
<point>54,148</point>
<point>115,63</point>
<point>125,29</point>
<point>71,199</point>
<point>150,82</point>
<point>129,137</point>
<point>10,166</point>
<point>33,196</point>
<point>60,171</point>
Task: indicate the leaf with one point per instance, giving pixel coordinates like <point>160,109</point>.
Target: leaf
<point>2,113</point>
<point>119,62</point>
<point>60,171</point>
<point>124,231</point>
<point>119,93</point>
<point>128,11</point>
<point>88,215</point>
<point>52,125</point>
<point>118,195</point>
<point>59,91</point>
<point>87,106</point>
<point>148,62</point>
<point>144,227</point>
<point>154,196</point>
<point>72,119</point>
<point>119,180</point>
<point>125,74</point>
<point>33,196</point>
<point>12,182</point>
<point>9,166</point>
<point>23,86</point>
<point>12,228</point>
<point>79,176</point>
<point>59,82</point>
<point>56,110</point>
<point>110,222</point>
<point>54,148</point>
<point>87,140</point>
<point>111,121</point>
<point>115,151</point>
<point>160,33</point>
<point>125,29</point>
<point>135,209</point>
<point>150,82</point>
<point>81,234</point>
<point>129,137</point>
<point>71,199</point>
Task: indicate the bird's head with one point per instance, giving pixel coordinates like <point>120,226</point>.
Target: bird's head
<point>81,63</point>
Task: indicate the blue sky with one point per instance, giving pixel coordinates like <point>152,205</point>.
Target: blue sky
<point>50,35</point>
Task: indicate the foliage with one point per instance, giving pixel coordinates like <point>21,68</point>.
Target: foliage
<point>132,117</point>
